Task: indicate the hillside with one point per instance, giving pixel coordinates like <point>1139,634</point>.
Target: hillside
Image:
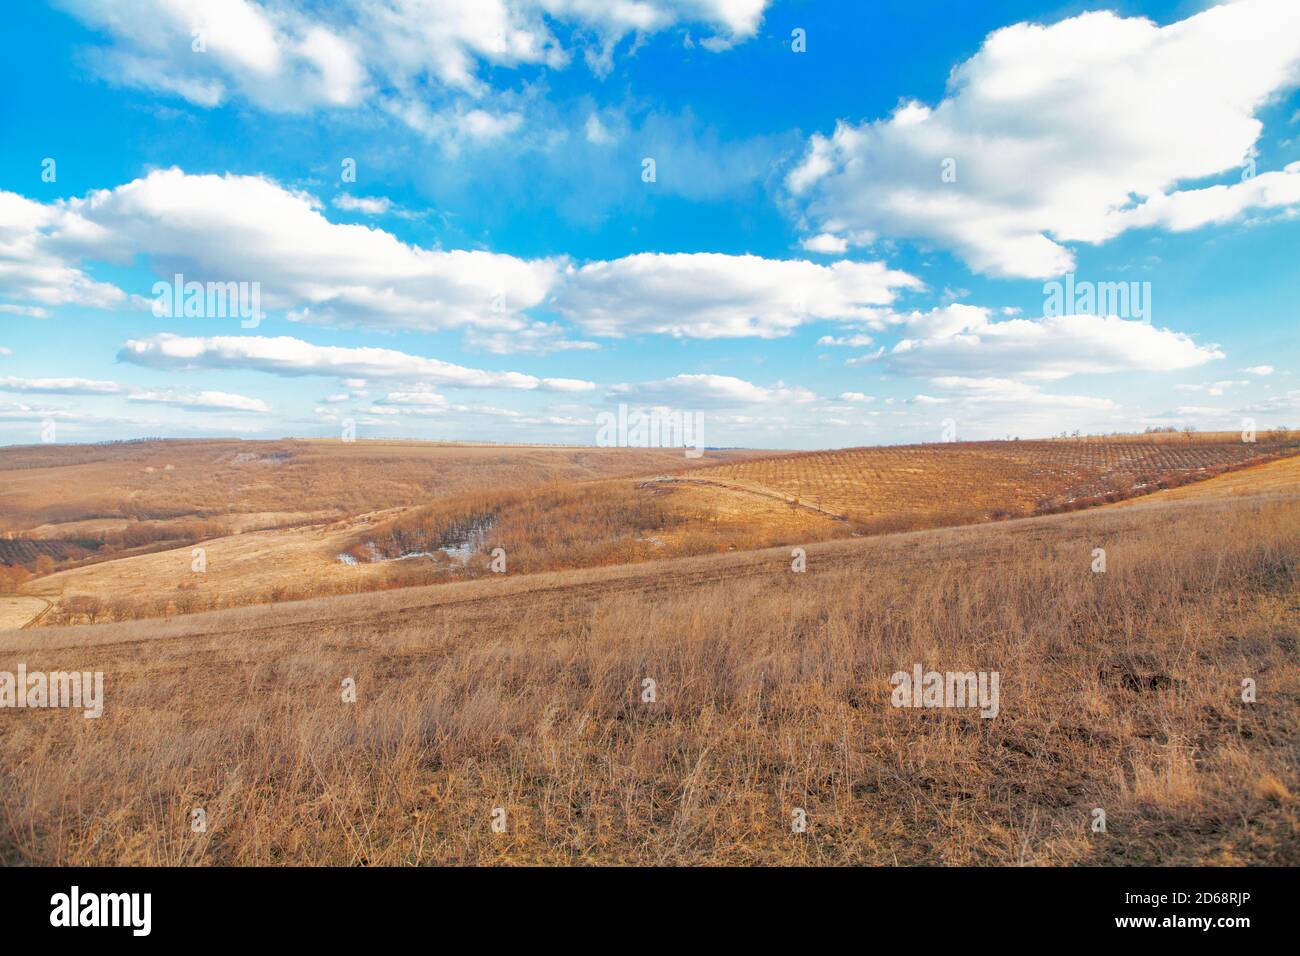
<point>121,521</point>
<point>571,509</point>
<point>1120,690</point>
<point>903,487</point>
<point>161,480</point>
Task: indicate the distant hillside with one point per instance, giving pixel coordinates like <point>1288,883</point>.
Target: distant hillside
<point>909,486</point>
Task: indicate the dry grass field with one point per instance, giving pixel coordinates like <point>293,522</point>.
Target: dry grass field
<point>159,480</point>
<point>1120,690</point>
<point>119,522</point>
<point>568,526</point>
<point>1276,478</point>
<point>907,487</point>
<point>447,508</point>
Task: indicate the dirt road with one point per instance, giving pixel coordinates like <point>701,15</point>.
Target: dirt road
<point>22,610</point>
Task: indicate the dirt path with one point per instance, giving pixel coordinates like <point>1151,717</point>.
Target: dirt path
<point>747,490</point>
<point>22,610</point>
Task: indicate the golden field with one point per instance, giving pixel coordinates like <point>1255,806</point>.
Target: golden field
<point>208,525</point>
<point>903,487</point>
<point>161,480</point>
<point>119,522</point>
<point>1120,690</point>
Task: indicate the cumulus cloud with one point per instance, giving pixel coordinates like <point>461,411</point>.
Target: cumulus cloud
<point>59,386</point>
<point>826,243</point>
<point>476,414</point>
<point>539,338</point>
<point>710,295</point>
<point>423,398</point>
<point>1192,208</point>
<point>1259,369</point>
<point>846,341</point>
<point>284,355</point>
<point>34,269</point>
<point>1211,388</point>
<point>1070,132</point>
<point>708,391</point>
<point>1287,403</point>
<point>961,339</point>
<point>370,205</point>
<point>455,127</point>
<point>200,401</point>
<point>995,407</point>
<point>1004,391</point>
<point>249,229</point>
<point>281,56</point>
<point>24,412</point>
<point>31,311</point>
<point>210,51</point>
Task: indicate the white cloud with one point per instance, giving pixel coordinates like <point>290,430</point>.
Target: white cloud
<point>23,412</point>
<point>59,386</point>
<point>31,311</point>
<point>423,398</point>
<point>961,339</point>
<point>284,57</point>
<point>249,229</point>
<point>1285,404</point>
<point>846,341</point>
<point>1211,388</point>
<point>710,295</point>
<point>1259,370</point>
<point>370,205</point>
<point>266,53</point>
<point>32,267</point>
<point>1193,208</point>
<point>826,243</point>
<point>858,397</point>
<point>596,131</point>
<point>423,403</point>
<point>205,400</point>
<point>284,355</point>
<point>457,126</point>
<point>1055,129</point>
<point>200,401</point>
<point>539,338</point>
<point>866,359</point>
<point>1003,391</point>
<point>708,391</point>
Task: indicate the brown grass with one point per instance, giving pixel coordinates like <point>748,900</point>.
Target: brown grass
<point>896,488</point>
<point>159,480</point>
<point>1119,690</point>
<point>119,520</point>
<point>542,525</point>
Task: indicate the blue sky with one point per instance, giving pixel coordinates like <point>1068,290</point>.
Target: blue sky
<point>843,244</point>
